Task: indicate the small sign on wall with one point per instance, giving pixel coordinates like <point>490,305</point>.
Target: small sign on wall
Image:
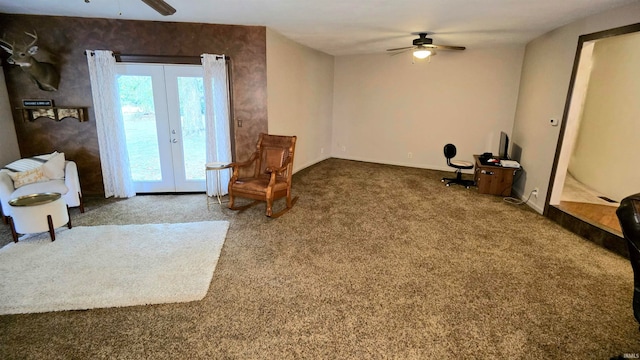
<point>38,103</point>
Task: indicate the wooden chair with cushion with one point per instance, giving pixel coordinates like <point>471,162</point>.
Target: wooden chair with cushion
<point>266,176</point>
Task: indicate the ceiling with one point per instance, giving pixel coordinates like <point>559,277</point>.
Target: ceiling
<point>343,27</point>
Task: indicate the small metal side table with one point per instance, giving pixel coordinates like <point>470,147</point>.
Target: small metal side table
<point>217,167</point>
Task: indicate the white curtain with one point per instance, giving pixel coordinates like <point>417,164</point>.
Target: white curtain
<point>216,92</point>
<point>114,159</point>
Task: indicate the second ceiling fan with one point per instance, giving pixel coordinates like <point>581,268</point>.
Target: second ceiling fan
<point>424,47</point>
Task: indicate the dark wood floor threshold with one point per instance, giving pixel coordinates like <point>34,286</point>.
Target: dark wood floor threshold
<point>596,214</point>
<point>590,231</point>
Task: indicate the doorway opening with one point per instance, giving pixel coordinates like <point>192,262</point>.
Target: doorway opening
<point>592,170</point>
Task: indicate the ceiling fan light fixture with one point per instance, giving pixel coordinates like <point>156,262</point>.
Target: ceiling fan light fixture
<point>422,53</point>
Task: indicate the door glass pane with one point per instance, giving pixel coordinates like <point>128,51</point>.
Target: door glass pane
<point>192,110</point>
<point>136,99</point>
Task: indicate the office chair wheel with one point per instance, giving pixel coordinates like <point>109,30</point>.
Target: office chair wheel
<point>448,184</point>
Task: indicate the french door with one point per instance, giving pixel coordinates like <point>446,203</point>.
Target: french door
<point>163,110</point>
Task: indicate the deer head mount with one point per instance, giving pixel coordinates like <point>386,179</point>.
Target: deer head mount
<point>44,74</point>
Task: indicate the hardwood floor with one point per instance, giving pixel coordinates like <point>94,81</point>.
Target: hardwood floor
<point>589,214</point>
<point>589,205</point>
<point>600,215</point>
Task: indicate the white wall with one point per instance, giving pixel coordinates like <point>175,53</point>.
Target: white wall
<point>300,97</point>
<point>607,143</point>
<point>546,72</point>
<point>386,107</point>
<point>9,150</point>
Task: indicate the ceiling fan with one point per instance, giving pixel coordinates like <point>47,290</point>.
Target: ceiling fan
<point>424,47</point>
<point>158,5</point>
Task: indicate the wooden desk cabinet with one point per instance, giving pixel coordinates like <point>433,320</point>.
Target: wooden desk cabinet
<point>494,180</point>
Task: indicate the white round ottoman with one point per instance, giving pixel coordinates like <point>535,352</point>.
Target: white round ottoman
<point>37,213</point>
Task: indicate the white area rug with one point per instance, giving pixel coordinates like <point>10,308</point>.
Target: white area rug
<point>110,266</point>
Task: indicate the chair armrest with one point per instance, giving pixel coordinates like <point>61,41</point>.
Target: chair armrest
<point>235,166</point>
<point>253,158</point>
<point>280,169</point>
<point>73,197</point>
<point>6,184</point>
<point>6,189</point>
<point>628,214</point>
<point>277,171</point>
<point>71,177</point>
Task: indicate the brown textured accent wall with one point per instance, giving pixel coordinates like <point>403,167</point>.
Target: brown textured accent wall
<point>69,37</point>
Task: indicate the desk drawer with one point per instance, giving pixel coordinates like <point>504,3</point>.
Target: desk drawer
<point>494,181</point>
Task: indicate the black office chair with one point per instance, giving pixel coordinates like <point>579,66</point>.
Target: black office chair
<point>450,152</point>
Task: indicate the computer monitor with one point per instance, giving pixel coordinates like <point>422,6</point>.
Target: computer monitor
<point>503,150</point>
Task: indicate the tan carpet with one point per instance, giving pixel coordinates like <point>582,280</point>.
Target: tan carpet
<point>373,262</point>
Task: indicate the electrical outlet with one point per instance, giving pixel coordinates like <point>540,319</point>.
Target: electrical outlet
<point>535,193</point>
<point>410,155</point>
<point>344,148</point>
<point>321,150</point>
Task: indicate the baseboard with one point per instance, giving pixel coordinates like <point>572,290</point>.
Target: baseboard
<point>310,163</point>
<point>535,207</point>
<point>405,164</point>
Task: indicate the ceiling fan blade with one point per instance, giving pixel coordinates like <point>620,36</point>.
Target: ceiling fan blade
<point>402,48</point>
<point>160,6</point>
<point>449,47</point>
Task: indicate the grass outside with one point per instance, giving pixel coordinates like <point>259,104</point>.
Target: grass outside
<point>144,156</point>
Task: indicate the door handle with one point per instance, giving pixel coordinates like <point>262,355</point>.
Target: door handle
<point>174,141</point>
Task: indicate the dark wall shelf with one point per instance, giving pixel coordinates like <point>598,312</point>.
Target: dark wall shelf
<point>55,113</point>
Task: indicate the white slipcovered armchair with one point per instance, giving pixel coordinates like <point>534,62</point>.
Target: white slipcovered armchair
<point>40,174</point>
